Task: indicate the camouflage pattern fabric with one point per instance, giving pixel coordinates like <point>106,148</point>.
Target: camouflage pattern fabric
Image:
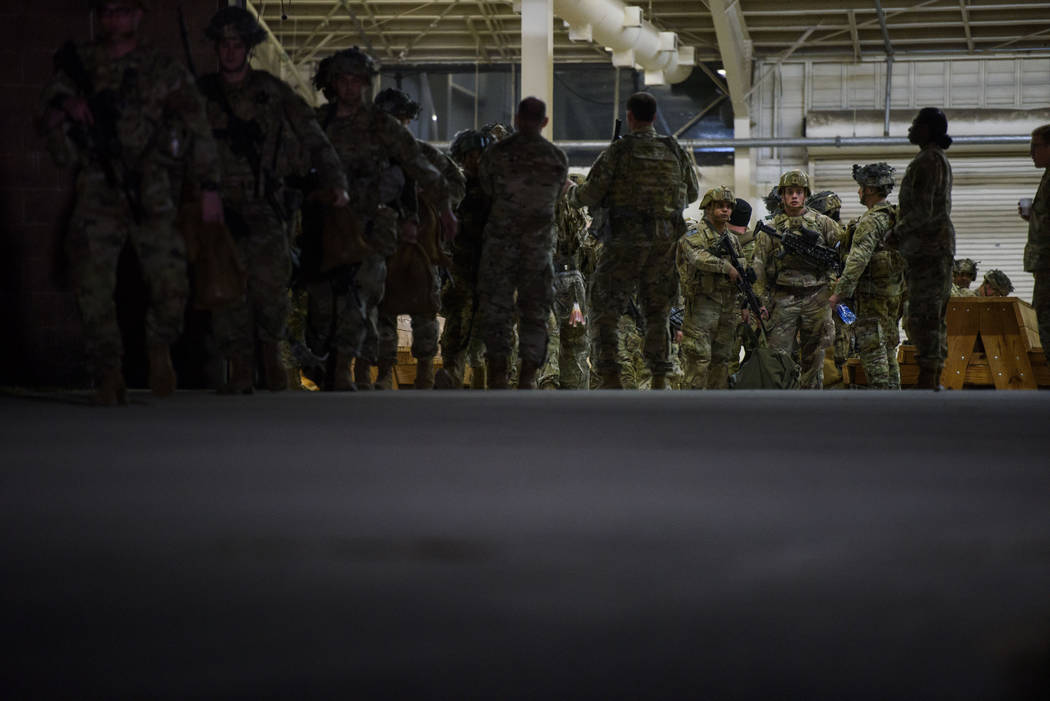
<point>342,309</point>
<point>873,276</point>
<point>566,366</point>
<point>796,295</point>
<point>712,307</point>
<point>523,175</point>
<point>740,342</point>
<point>646,181</point>
<point>162,130</point>
<point>924,235</point>
<point>962,291</point>
<point>1037,256</point>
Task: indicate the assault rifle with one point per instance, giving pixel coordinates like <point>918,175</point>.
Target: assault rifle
<point>806,245</point>
<point>100,139</point>
<point>601,224</point>
<point>745,279</point>
<point>675,319</point>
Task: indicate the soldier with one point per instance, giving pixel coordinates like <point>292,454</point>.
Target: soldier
<point>996,284</point>
<point>827,203</point>
<point>796,289</point>
<point>924,235</point>
<point>773,203</point>
<point>461,338</point>
<point>964,272</point>
<point>524,175</point>
<point>873,277</point>
<point>377,153</point>
<point>645,180</point>
<point>830,205</point>
<point>1037,250</point>
<point>739,221</point>
<point>566,365</point>
<point>712,302</point>
<point>424,326</point>
<point>264,132</point>
<point>118,109</point>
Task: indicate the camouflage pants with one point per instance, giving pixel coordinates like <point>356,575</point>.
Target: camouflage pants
<point>1041,303</point>
<point>800,325</point>
<point>566,365</point>
<point>878,336</point>
<point>708,335</point>
<point>639,256</point>
<point>342,309</point>
<point>929,287</point>
<point>263,311</point>
<point>509,265</point>
<point>100,226</point>
<point>461,337</point>
<point>424,333</point>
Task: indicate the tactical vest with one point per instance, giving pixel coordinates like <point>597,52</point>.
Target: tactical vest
<point>884,276</point>
<point>646,177</point>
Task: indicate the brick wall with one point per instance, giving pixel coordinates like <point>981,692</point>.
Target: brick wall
<point>41,329</point>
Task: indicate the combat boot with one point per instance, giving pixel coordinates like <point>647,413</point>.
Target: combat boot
<point>658,382</point>
<point>610,379</point>
<point>161,372</point>
<point>241,375</point>
<point>274,372</point>
<point>477,378</point>
<point>527,374</point>
<point>110,389</point>
<point>363,376</point>
<point>451,375</point>
<point>928,379</point>
<point>497,373</point>
<point>424,374</point>
<point>339,372</point>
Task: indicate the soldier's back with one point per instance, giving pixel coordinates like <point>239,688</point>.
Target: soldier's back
<point>524,174</point>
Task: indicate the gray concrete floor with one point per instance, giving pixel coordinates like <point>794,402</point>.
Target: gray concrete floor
<point>752,545</point>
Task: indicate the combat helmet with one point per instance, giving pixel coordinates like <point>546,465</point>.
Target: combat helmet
<point>235,23</point>
<point>496,131</point>
<point>999,281</point>
<point>352,61</point>
<point>465,141</point>
<point>144,5</point>
<point>965,266</point>
<point>774,205</point>
<point>794,178</point>
<point>826,202</point>
<point>397,103</point>
<point>717,194</point>
<point>874,174</point>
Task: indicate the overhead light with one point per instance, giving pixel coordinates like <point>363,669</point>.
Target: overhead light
<point>721,72</point>
<point>434,117</point>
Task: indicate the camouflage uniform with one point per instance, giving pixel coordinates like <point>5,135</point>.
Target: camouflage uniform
<point>376,154</point>
<point>712,306</point>
<point>1037,257</point>
<point>796,294</point>
<point>962,291</point>
<point>566,365</point>
<point>523,175</point>
<point>290,142</point>
<point>873,277</point>
<point>161,129</point>
<point>746,241</point>
<point>925,237</point>
<point>646,181</point>
<point>424,326</point>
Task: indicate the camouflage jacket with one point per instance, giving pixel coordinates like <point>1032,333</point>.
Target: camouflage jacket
<point>287,139</point>
<point>161,115</point>
<point>924,225</point>
<point>747,244</point>
<point>524,175</point>
<point>473,213</point>
<point>702,268</point>
<point>641,172</point>
<point>377,153</point>
<point>962,291</point>
<point>774,267</point>
<point>871,268</point>
<point>1037,250</point>
<point>570,226</point>
<point>455,181</point>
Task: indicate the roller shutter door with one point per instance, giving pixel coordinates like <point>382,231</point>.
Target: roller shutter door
<point>984,206</point>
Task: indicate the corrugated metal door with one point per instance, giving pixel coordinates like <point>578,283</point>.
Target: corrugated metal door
<point>984,207</point>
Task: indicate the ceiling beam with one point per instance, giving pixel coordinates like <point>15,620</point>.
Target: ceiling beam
<point>854,35</point>
<point>966,24</point>
<point>734,44</point>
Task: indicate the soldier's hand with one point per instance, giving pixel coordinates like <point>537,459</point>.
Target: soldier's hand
<point>409,231</point>
<point>211,207</point>
<point>733,274</point>
<point>449,225</point>
<point>678,336</point>
<point>745,314</point>
<point>762,312</point>
<point>78,110</point>
<point>834,300</point>
<point>340,198</point>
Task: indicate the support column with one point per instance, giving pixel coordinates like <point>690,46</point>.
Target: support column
<point>734,43</point>
<point>537,55</point>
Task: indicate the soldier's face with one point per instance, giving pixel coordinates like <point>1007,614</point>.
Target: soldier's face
<point>233,54</point>
<point>349,88</point>
<point>918,133</point>
<point>1040,151</point>
<point>793,197</point>
<point>119,20</point>
<point>719,212</point>
<point>963,281</point>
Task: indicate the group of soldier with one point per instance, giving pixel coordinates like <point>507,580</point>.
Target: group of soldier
<point>372,223</point>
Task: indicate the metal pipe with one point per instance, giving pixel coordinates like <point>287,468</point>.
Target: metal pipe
<point>785,142</point>
<point>889,64</point>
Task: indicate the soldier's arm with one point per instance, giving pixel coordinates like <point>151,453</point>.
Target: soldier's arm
<point>52,118</point>
<point>695,253</point>
<point>763,250</point>
<point>185,100</point>
<point>323,156</point>
<point>404,148</point>
<point>591,192</point>
<point>925,198</point>
<point>692,184</point>
<point>457,182</point>
<point>866,238</point>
